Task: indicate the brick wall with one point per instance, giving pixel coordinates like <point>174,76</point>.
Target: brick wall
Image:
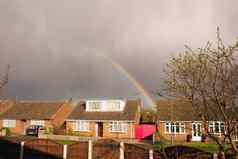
<point>91,133</point>
<point>21,126</point>
<point>130,134</point>
<point>106,133</point>
<point>176,137</point>
<point>180,137</point>
<point>19,129</point>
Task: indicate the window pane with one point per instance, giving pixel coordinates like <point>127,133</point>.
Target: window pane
<point>113,105</point>
<point>211,127</point>
<point>172,128</point>
<point>94,105</point>
<point>37,122</point>
<point>82,125</point>
<point>194,130</point>
<point>222,128</point>
<point>182,128</point>
<point>9,123</point>
<point>167,125</point>
<point>217,127</point>
<point>177,127</point>
<point>117,126</point>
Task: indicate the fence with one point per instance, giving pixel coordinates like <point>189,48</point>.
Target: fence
<point>74,149</point>
<point>41,148</point>
<point>106,149</point>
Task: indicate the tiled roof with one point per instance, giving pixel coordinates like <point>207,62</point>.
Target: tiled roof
<point>180,110</point>
<point>32,110</point>
<point>177,110</point>
<point>130,113</point>
<point>5,105</point>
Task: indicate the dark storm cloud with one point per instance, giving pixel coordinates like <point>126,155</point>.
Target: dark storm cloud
<point>52,45</point>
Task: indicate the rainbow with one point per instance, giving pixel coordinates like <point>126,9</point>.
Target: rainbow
<point>132,79</point>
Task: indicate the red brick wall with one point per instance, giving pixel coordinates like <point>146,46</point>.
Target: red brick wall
<point>22,125</point>
<point>178,137</point>
<point>91,133</point>
<point>19,129</point>
<point>175,137</point>
<point>130,134</point>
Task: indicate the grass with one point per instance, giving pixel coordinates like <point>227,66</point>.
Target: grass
<point>65,142</point>
<point>207,147</point>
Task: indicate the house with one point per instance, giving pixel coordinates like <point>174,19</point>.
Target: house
<point>105,118</point>
<point>177,121</point>
<point>42,113</point>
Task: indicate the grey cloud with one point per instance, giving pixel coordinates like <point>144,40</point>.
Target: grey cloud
<point>52,45</point>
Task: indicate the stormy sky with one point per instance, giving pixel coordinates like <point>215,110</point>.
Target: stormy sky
<point>53,45</point>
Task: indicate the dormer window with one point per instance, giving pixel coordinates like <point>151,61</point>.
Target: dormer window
<point>94,105</point>
<point>113,105</point>
<point>105,105</point>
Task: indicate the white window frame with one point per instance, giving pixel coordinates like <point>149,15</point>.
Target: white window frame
<point>37,122</point>
<point>95,104</point>
<point>212,127</point>
<point>171,127</point>
<point>9,123</point>
<point>118,127</point>
<point>81,125</point>
<point>105,105</point>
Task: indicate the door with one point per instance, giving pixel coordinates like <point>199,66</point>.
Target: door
<point>196,132</point>
<point>99,129</point>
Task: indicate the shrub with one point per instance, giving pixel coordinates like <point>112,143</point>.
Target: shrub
<point>7,130</point>
<point>71,132</point>
<point>49,131</point>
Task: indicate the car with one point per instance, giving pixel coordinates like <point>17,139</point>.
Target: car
<point>33,130</point>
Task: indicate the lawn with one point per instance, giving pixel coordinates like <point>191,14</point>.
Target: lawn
<point>65,142</point>
<point>208,147</point>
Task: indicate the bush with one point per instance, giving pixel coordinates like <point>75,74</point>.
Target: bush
<point>7,130</point>
<point>71,132</point>
<point>49,131</point>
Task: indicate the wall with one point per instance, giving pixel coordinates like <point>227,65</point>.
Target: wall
<point>176,137</point>
<point>180,137</point>
<point>21,126</point>
<point>91,133</point>
<point>19,129</point>
<point>106,133</point>
<point>130,134</point>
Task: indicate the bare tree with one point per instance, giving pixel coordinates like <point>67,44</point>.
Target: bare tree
<point>207,78</point>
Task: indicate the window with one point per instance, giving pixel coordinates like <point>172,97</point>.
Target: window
<point>9,123</point>
<point>216,127</point>
<point>174,127</point>
<point>37,122</point>
<point>105,105</point>
<point>117,126</point>
<point>113,105</point>
<point>81,125</point>
<point>94,105</point>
